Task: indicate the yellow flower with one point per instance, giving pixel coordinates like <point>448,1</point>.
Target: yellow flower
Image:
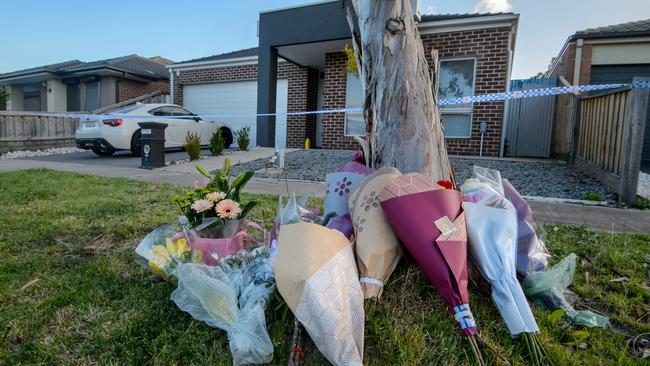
<point>161,255</point>
<point>197,257</point>
<point>157,269</point>
<point>215,196</point>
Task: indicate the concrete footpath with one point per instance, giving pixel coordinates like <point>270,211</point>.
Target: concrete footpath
<point>592,217</point>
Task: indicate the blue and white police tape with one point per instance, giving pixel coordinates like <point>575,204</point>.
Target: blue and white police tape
<point>516,94</point>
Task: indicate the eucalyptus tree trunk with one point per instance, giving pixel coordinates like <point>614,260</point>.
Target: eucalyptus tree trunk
<point>401,113</point>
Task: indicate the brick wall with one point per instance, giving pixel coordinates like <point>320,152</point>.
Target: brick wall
<point>333,98</point>
<point>490,48</point>
<point>301,92</point>
<point>129,89</point>
<point>566,65</point>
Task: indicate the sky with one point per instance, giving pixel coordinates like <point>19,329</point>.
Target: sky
<point>40,32</point>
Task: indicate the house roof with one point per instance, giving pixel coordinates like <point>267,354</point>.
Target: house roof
<point>250,52</point>
<point>134,64</point>
<point>425,18</point>
<point>629,29</point>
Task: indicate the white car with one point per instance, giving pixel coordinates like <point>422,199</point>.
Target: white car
<point>120,129</point>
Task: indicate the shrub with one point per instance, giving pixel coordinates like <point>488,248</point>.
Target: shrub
<point>593,196</point>
<point>243,138</point>
<point>641,203</point>
<point>192,145</point>
<point>217,143</point>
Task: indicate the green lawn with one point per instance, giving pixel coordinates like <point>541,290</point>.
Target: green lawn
<point>72,293</point>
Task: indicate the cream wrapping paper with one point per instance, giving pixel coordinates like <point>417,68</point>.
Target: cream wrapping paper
<point>317,276</point>
<point>377,247</point>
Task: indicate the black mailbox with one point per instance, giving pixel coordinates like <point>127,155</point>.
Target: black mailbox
<point>152,142</point>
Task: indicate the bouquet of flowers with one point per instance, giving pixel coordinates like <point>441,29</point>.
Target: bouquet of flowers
<point>215,209</point>
<point>492,231</point>
<point>430,221</point>
<point>377,248</point>
<point>216,215</point>
<point>231,296</point>
<point>162,252</point>
<point>317,277</point>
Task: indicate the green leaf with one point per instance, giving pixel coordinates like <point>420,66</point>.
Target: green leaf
<point>203,171</point>
<point>556,316</point>
<point>226,167</point>
<point>239,183</point>
<point>580,335</point>
<point>247,208</point>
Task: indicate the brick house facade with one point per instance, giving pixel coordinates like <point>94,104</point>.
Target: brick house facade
<point>301,94</point>
<point>490,44</point>
<point>129,89</point>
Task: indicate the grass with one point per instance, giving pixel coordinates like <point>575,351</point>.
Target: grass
<point>593,196</point>
<point>72,293</point>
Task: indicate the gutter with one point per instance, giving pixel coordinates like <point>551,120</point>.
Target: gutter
<point>578,61</point>
<point>511,54</point>
<point>171,86</point>
<point>222,62</point>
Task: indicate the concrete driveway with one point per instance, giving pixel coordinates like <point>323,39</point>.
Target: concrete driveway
<point>125,165</point>
<point>121,159</point>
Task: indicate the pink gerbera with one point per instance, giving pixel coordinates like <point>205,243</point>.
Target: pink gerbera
<point>228,209</point>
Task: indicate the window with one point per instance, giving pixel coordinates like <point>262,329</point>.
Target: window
<point>178,111</point>
<point>355,125</point>
<point>456,79</point>
<point>92,96</point>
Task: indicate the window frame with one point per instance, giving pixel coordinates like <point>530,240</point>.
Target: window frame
<point>455,110</point>
<point>99,94</point>
<point>345,123</point>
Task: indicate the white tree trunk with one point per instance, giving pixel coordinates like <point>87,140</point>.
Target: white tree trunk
<point>403,119</point>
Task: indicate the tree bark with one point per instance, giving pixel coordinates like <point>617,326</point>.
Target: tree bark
<point>403,120</point>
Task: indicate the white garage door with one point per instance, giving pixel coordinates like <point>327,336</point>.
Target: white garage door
<point>236,98</point>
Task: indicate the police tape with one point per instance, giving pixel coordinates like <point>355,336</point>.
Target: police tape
<point>493,97</point>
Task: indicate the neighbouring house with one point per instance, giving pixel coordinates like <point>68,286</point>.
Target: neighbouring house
<point>299,66</point>
<point>609,54</point>
<point>84,86</point>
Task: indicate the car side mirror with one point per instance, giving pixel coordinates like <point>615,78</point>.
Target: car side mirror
<point>196,119</point>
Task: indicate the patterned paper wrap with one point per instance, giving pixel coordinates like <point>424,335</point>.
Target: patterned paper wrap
<point>338,188</point>
<point>378,249</point>
<point>317,276</point>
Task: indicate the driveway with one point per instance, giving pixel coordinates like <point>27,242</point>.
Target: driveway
<point>122,159</point>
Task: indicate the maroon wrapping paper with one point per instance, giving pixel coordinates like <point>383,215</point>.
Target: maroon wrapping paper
<point>444,262</point>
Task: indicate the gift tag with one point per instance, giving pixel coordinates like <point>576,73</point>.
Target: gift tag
<point>445,225</point>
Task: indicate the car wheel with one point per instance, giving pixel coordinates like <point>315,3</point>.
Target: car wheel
<point>136,145</point>
<point>103,151</point>
<point>227,137</point>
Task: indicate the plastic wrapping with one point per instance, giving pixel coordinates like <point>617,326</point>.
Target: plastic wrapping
<point>546,290</point>
<point>531,252</point>
<point>162,254</point>
<point>492,231</point>
<point>232,297</point>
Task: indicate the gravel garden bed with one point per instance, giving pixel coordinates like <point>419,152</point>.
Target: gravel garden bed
<point>531,178</point>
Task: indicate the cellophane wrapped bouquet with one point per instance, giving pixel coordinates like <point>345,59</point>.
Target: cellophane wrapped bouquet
<point>492,231</point>
<point>231,296</point>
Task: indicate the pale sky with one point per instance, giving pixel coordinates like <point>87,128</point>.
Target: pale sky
<point>40,32</point>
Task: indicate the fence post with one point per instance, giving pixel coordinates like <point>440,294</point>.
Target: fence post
<point>633,147</point>
<point>575,140</point>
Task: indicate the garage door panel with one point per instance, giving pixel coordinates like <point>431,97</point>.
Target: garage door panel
<point>236,105</point>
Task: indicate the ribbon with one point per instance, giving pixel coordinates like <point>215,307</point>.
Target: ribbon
<point>464,316</point>
<point>493,97</point>
<point>372,281</point>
